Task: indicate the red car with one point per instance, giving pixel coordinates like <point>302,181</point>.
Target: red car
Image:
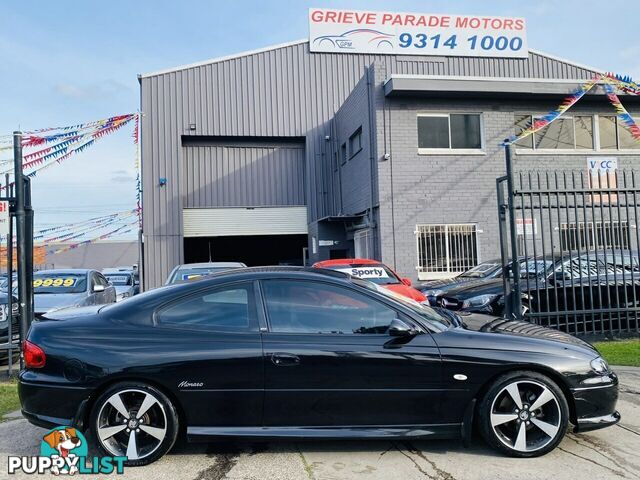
<point>375,272</point>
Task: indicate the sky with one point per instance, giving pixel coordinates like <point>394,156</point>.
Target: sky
<point>65,62</point>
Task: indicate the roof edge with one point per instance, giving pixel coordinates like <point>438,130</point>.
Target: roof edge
<point>564,60</point>
<point>222,59</point>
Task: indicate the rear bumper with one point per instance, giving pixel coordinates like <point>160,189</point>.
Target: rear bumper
<point>48,405</point>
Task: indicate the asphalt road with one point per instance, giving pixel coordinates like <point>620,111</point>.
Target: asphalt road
<point>611,453</point>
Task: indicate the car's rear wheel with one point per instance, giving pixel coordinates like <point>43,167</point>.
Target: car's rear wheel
<point>524,414</point>
<point>136,421</point>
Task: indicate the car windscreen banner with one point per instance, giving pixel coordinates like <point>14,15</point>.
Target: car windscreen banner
<point>366,273</point>
<point>118,279</point>
<point>59,284</point>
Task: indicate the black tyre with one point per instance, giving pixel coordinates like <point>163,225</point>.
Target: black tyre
<point>134,420</point>
<point>523,414</point>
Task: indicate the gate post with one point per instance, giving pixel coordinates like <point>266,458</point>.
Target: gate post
<point>24,275</point>
<point>504,247</point>
<point>515,299</point>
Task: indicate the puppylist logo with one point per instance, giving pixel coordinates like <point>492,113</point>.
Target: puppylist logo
<point>63,451</point>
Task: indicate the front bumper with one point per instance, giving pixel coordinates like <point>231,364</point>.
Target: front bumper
<point>595,406</point>
<point>594,423</point>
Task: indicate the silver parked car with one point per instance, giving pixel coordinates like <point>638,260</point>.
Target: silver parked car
<point>57,289</point>
<point>193,271</point>
<point>123,281</point>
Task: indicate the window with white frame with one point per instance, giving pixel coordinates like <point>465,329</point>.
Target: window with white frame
<point>449,131</point>
<point>362,243</point>
<point>594,235</point>
<point>578,132</point>
<point>446,249</point>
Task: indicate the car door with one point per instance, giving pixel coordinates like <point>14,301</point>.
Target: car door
<point>329,360</point>
<point>215,364</point>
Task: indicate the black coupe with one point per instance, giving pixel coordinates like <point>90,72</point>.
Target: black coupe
<point>305,353</point>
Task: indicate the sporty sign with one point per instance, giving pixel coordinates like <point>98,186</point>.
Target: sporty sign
<point>305,353</point>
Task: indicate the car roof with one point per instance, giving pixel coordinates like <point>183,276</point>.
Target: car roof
<point>211,264</point>
<point>347,261</point>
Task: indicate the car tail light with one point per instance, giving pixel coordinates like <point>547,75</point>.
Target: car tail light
<point>34,356</point>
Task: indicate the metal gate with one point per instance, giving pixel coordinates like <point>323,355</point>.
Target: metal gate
<point>569,243</point>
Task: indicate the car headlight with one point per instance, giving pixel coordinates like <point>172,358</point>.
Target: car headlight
<point>600,366</point>
<point>425,302</point>
<point>3,312</point>
<point>479,301</point>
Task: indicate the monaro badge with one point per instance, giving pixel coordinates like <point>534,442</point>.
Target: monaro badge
<point>188,384</point>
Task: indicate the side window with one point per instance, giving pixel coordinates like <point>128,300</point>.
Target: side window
<point>581,268</point>
<point>314,307</point>
<point>230,308</point>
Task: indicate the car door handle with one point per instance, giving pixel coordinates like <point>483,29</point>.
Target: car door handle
<point>284,359</point>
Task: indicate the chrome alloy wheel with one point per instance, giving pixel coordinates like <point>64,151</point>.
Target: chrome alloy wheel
<point>131,423</point>
<point>526,416</point>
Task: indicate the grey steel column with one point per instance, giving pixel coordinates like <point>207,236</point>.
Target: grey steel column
<point>516,297</point>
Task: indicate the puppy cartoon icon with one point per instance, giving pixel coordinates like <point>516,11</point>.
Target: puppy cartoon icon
<point>63,440</point>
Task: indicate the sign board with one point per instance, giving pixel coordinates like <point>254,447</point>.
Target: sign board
<point>362,31</point>
<point>365,272</point>
<point>602,165</point>
<point>4,218</point>
<point>526,226</point>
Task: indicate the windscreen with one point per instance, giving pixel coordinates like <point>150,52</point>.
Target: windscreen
<point>482,270</point>
<point>378,274</point>
<point>119,279</point>
<point>188,274</point>
<point>59,283</point>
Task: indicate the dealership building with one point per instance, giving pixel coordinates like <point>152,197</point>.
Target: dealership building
<point>297,153</point>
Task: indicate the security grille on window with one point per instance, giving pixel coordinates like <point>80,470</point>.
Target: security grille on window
<point>591,236</point>
<point>455,131</point>
<point>446,249</point>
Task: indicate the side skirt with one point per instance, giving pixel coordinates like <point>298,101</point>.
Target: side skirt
<point>441,431</point>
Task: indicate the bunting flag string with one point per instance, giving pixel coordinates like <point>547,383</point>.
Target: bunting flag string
<point>621,112</point>
<point>118,231</point>
<point>68,145</point>
<point>539,123</point>
<point>79,231</point>
<point>608,81</point>
<point>70,226</point>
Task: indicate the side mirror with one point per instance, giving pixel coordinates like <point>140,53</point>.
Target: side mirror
<point>98,288</point>
<point>400,329</point>
<point>406,281</point>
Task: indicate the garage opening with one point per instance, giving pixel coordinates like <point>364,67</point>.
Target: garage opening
<point>253,250</point>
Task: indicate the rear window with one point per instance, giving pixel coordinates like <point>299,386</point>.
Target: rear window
<point>378,274</point>
<point>59,283</point>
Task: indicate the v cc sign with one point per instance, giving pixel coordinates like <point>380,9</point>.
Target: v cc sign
<point>602,164</point>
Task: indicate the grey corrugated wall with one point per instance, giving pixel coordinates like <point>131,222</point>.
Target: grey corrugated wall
<point>282,92</point>
<point>219,176</point>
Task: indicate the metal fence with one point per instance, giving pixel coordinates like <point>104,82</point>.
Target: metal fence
<point>576,238</point>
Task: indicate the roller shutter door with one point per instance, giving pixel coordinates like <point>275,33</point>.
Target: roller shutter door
<point>235,221</point>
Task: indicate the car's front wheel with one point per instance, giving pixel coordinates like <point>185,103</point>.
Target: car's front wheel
<point>136,421</point>
<point>524,414</point>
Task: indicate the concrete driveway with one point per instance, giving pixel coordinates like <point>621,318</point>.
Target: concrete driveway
<point>609,453</point>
